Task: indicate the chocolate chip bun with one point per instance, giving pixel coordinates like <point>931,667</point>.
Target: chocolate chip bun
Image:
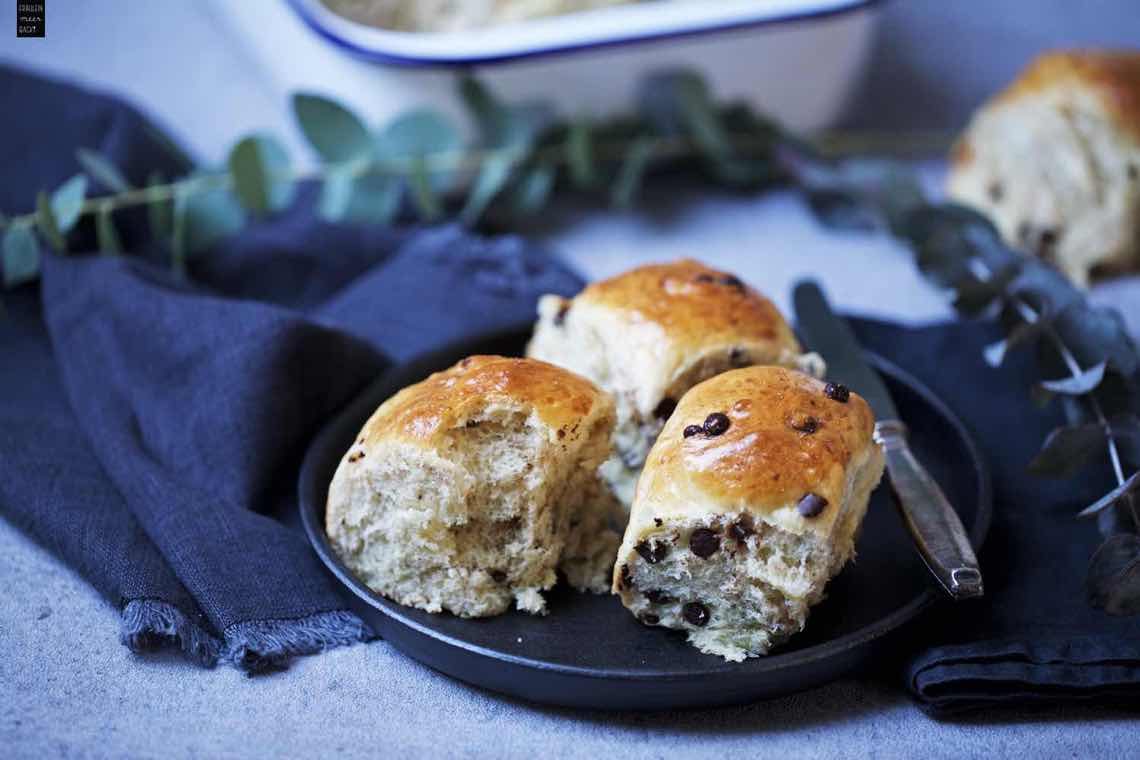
<point>649,335</point>
<point>750,502</point>
<point>1054,160</point>
<point>472,488</point>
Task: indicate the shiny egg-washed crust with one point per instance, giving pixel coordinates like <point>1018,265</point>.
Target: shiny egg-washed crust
<point>425,412</point>
<point>761,464</point>
<point>694,305</point>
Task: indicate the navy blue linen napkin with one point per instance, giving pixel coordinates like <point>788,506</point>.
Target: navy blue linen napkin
<point>1034,638</point>
<point>151,429</point>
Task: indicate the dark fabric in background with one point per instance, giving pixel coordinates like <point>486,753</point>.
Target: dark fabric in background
<point>150,429</point>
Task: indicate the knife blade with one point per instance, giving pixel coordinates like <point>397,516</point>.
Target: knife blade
<point>937,531</point>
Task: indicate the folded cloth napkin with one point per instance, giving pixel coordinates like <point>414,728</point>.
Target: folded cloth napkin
<point>1033,638</point>
<point>151,429</point>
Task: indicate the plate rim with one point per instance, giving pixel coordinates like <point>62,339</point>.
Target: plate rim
<point>394,612</point>
<point>384,45</point>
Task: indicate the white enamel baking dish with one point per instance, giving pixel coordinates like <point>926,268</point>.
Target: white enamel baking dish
<point>796,60</point>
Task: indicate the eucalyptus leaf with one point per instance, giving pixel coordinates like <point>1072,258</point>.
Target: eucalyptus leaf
<point>67,203</point>
<point>534,187</point>
<point>1096,334</point>
<point>21,255</point>
<point>1067,449</point>
<point>372,197</point>
<point>423,194</point>
<point>1044,288</point>
<point>1077,385</point>
<point>178,230</point>
<point>628,181</point>
<point>1113,497</point>
<point>159,210</point>
<point>501,125</point>
<point>1023,334</point>
<point>580,155</point>
<point>46,222</point>
<point>106,235</point>
<point>336,195</point>
<point>102,170</point>
<point>259,167</point>
<point>336,133</point>
<point>491,179</point>
<point>840,211</point>
<point>1113,581</point>
<point>210,213</point>
<point>422,141</point>
<point>668,99</point>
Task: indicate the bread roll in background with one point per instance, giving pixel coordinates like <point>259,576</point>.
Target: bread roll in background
<point>649,335</point>
<point>751,500</point>
<point>469,490</point>
<point>1054,161</point>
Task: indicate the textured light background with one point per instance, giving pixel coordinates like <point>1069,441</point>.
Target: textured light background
<point>67,688</point>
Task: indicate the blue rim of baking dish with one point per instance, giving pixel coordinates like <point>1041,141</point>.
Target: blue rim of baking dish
<point>305,11</point>
<point>312,523</point>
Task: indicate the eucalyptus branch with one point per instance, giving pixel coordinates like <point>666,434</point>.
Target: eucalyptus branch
<point>418,165</point>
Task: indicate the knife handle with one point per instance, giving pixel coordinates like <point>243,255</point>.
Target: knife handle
<point>934,525</point>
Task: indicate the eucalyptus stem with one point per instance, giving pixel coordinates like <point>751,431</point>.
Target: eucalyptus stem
<point>1030,316</point>
<point>469,159</point>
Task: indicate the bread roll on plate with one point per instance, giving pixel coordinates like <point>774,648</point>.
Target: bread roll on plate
<point>469,490</point>
<point>750,502</point>
<point>649,335</point>
<point>1054,161</point>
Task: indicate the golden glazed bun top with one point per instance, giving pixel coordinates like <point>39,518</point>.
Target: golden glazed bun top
<point>694,305</point>
<point>1112,77</point>
<point>785,438</point>
<point>428,410</point>
<point>1113,74</point>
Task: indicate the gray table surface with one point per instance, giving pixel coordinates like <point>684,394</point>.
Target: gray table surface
<point>68,688</point>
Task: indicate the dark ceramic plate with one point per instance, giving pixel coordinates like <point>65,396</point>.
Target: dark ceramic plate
<point>589,652</point>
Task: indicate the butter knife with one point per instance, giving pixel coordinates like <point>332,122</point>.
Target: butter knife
<point>933,524</point>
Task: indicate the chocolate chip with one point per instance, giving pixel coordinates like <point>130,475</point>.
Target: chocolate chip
<point>704,278</point>
<point>1046,242</point>
<point>665,409</point>
<point>740,530</point>
<point>716,423</point>
<point>650,619</point>
<point>691,430</point>
<point>356,456</point>
<point>560,316</point>
<point>736,357</point>
<point>498,576</point>
<point>471,424</point>
<point>696,613</point>
<point>626,581</point>
<point>996,192</point>
<point>657,596</point>
<point>657,521</point>
<point>811,505</point>
<point>805,424</point>
<point>837,392</point>
<point>652,553</point>
<point>732,282</point>
<point>704,542</point>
